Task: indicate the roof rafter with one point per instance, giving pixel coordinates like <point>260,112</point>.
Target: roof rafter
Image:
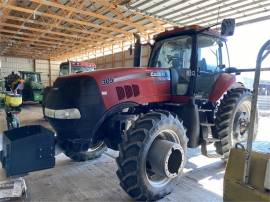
<point>72,21</point>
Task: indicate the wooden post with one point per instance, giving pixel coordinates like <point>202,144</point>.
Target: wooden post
<point>34,65</point>
<point>112,57</point>
<point>96,62</point>
<point>50,73</point>
<point>123,55</point>
<point>103,58</point>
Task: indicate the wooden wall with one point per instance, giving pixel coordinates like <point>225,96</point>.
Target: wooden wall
<point>120,59</point>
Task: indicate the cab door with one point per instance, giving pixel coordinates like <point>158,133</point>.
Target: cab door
<point>210,63</point>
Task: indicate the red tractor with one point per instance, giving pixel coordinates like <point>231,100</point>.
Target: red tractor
<point>74,67</point>
<point>68,68</point>
<point>187,97</point>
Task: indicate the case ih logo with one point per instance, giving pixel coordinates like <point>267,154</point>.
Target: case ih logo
<point>107,81</point>
<point>162,74</point>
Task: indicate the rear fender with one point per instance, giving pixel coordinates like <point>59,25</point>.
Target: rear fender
<point>223,83</point>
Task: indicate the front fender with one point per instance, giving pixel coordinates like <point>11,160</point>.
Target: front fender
<point>109,113</point>
<point>224,82</point>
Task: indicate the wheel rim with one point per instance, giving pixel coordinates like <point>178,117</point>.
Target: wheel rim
<point>153,178</point>
<point>96,147</point>
<point>241,123</point>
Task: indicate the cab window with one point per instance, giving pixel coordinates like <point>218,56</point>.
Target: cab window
<point>64,70</point>
<point>173,53</point>
<point>210,52</point>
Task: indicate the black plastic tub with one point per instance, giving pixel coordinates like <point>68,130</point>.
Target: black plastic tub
<point>27,149</point>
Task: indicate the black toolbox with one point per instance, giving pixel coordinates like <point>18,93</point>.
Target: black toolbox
<point>27,149</point>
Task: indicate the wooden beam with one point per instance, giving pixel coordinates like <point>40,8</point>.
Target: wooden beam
<point>24,21</point>
<point>139,27</point>
<point>28,34</point>
<point>42,30</point>
<point>26,56</point>
<point>56,33</point>
<point>70,29</point>
<point>72,21</point>
<point>114,7</point>
<point>50,72</point>
<point>7,37</point>
<point>51,26</point>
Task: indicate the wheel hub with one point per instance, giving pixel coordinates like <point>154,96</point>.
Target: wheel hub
<point>166,158</point>
<point>241,126</point>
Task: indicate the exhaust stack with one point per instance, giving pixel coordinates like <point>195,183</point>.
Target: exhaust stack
<point>137,51</point>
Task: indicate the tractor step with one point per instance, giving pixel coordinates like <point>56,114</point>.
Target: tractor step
<point>212,140</point>
<point>207,124</point>
<point>205,152</point>
<point>205,110</point>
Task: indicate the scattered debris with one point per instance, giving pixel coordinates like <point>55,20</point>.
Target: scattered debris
<point>12,189</point>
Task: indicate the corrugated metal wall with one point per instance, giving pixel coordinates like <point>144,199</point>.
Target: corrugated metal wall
<point>42,66</point>
<point>120,59</point>
<point>9,64</point>
<point>54,70</point>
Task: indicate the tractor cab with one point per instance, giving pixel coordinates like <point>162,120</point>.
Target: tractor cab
<point>33,87</point>
<point>195,56</point>
<point>72,67</point>
<point>32,76</point>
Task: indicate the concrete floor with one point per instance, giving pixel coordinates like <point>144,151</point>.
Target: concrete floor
<point>96,180</point>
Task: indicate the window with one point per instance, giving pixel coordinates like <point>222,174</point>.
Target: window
<point>172,53</point>
<point>64,69</point>
<point>210,51</point>
<point>78,69</point>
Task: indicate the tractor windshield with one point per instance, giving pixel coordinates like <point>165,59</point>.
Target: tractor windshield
<point>31,77</point>
<point>172,53</point>
<point>64,69</point>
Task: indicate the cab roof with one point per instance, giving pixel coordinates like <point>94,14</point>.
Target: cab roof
<point>193,29</point>
<point>80,64</point>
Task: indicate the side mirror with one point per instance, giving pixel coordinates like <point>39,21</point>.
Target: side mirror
<point>227,27</point>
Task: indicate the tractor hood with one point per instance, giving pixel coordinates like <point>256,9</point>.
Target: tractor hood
<point>140,85</point>
<point>78,103</point>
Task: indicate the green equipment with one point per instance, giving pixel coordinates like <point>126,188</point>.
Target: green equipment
<point>33,88</point>
<point>247,176</point>
<point>2,94</point>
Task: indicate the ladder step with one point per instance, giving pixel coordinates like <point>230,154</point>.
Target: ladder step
<point>207,124</point>
<point>212,140</point>
<point>205,152</point>
<point>205,110</point>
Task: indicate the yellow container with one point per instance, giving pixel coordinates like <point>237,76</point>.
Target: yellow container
<point>13,100</point>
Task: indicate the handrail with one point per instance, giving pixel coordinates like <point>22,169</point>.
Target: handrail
<point>263,53</point>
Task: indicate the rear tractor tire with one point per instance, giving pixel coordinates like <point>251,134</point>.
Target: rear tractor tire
<point>152,155</point>
<point>93,153</point>
<point>232,120</point>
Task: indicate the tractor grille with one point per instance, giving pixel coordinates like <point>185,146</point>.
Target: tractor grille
<point>127,91</point>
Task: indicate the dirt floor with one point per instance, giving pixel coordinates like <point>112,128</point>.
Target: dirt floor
<point>96,180</point>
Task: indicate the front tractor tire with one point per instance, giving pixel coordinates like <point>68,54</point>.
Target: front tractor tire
<point>232,120</point>
<point>152,155</point>
<point>92,153</point>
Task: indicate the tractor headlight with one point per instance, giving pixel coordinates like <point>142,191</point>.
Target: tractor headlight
<point>63,113</point>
